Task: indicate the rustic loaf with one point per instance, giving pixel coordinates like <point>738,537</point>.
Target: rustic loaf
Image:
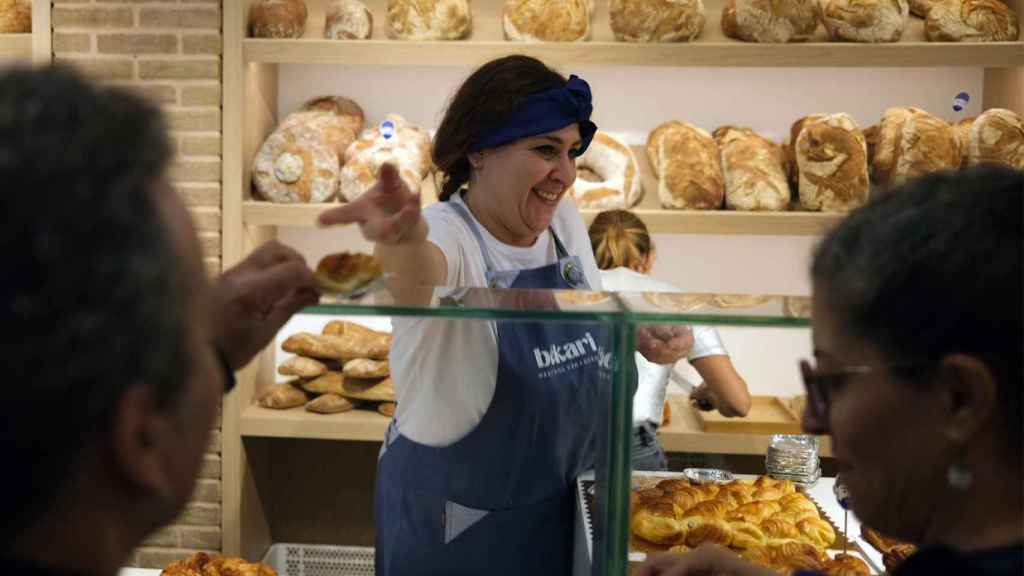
<point>971,21</point>
<point>753,169</point>
<point>688,166</point>
<point>656,20</point>
<point>348,20</point>
<point>546,20</point>
<point>277,19</point>
<point>429,19</point>
<point>832,157</point>
<point>911,143</point>
<point>771,21</point>
<point>865,20</point>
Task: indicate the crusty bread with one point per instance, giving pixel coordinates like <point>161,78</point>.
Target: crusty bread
<point>832,157</point>
<point>920,8</point>
<point>546,20</point>
<point>865,20</point>
<point>971,21</point>
<point>298,162</point>
<point>616,166</point>
<point>689,168</point>
<point>753,170</point>
<point>962,130</point>
<point>789,147</point>
<point>330,404</point>
<point>429,19</point>
<point>347,110</point>
<point>997,136</point>
<point>15,17</point>
<point>302,367</point>
<point>771,21</point>
<point>911,143</point>
<point>282,396</point>
<point>408,149</point>
<point>277,19</point>
<point>656,20</point>
<point>348,20</point>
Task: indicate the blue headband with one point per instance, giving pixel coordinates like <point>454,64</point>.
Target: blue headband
<point>546,112</point>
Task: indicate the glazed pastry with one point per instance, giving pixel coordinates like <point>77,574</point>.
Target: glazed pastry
<point>755,512</point>
<point>708,509</point>
<point>746,535</point>
<point>330,404</point>
<point>347,271</point>
<point>817,532</point>
<point>779,529</point>
<point>204,564</point>
<point>656,522</point>
<point>797,501</point>
<point>845,565</point>
<point>709,532</point>
<point>301,367</point>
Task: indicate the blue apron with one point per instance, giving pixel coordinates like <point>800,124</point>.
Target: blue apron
<point>500,500</point>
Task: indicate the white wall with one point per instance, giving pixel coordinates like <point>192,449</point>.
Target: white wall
<point>630,101</point>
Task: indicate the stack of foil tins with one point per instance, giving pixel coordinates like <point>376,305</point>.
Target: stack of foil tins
<point>793,457</point>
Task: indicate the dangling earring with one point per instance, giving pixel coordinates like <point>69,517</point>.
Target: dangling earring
<point>959,474</point>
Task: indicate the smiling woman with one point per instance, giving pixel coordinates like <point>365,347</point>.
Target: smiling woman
<point>493,456</point>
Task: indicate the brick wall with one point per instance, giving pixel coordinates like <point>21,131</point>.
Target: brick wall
<point>170,51</point>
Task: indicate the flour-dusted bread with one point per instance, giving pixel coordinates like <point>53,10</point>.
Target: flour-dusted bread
<point>331,404</point>
<point>997,136</point>
<point>298,163</point>
<point>345,109</point>
<point>546,20</point>
<point>911,143</point>
<point>753,169</point>
<point>615,166</point>
<point>865,20</point>
<point>15,17</point>
<point>656,20</point>
<point>962,130</point>
<point>277,18</point>
<point>921,8</point>
<point>282,396</point>
<point>789,147</point>
<point>971,21</point>
<point>348,20</point>
<point>688,166</point>
<point>429,19</point>
<point>770,20</point>
<point>396,141</point>
<point>832,157</point>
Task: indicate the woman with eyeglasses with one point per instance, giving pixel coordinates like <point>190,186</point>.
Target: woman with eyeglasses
<point>917,330</point>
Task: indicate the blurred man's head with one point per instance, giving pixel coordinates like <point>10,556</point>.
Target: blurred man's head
<point>112,385</point>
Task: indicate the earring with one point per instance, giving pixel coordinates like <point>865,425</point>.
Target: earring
<point>959,474</point>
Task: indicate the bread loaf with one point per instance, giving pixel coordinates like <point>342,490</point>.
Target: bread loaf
<point>429,19</point>
<point>277,19</point>
<point>656,20</point>
<point>771,21</point>
<point>348,20</point>
<point>790,147</point>
<point>616,166</point>
<point>298,163</point>
<point>911,143</point>
<point>395,141</point>
<point>997,136</point>
<point>546,20</point>
<point>920,8</point>
<point>832,157</point>
<point>753,170</point>
<point>15,17</point>
<point>688,165</point>
<point>971,21</point>
<point>962,131</point>
<point>865,20</point>
<point>333,131</point>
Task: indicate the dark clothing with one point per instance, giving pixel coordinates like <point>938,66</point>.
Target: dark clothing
<point>1003,561</point>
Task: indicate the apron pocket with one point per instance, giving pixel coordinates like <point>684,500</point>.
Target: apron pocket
<point>459,518</point>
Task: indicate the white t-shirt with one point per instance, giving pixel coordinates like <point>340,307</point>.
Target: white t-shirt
<point>444,371</point>
<point>649,400</point>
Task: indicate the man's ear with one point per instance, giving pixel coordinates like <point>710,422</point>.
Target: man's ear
<point>141,436</point>
<point>970,393</point>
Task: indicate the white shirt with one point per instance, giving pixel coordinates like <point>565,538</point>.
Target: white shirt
<point>649,400</point>
<point>445,371</point>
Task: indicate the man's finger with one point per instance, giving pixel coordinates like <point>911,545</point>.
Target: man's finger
<point>270,285</point>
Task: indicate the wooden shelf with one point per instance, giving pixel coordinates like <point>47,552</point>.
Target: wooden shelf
<point>712,48</point>
<point>683,434</point>
<point>16,46</point>
<point>361,425</point>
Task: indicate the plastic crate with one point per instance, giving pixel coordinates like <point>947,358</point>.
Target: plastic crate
<point>320,560</point>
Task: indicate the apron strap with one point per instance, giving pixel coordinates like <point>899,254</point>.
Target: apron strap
<point>463,212</point>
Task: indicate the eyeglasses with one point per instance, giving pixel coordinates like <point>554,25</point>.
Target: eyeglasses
<point>820,385</point>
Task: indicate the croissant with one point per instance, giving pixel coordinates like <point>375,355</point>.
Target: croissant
<point>755,511</point>
<point>769,493</point>
<point>797,501</point>
<point>673,484</point>
<point>711,531</point>
<point>794,515</point>
<point>731,498</point>
<point>656,522</point>
<point>746,535</point>
<point>684,500</point>
<point>817,532</point>
<point>707,509</point>
<point>708,491</point>
<point>779,529</point>
<point>897,555</point>
<point>845,565</point>
<point>781,553</point>
<point>758,555</point>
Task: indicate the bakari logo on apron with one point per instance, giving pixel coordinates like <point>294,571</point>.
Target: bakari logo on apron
<point>560,358</point>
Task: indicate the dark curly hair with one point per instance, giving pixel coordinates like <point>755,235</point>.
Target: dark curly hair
<point>933,268</point>
<point>92,297</point>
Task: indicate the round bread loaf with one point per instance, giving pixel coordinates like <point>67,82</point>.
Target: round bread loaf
<point>962,130</point>
<point>920,8</point>
<point>765,21</point>
<point>656,20</point>
<point>911,143</point>
<point>15,17</point>
<point>832,157</point>
<point>546,20</point>
<point>429,19</point>
<point>395,141</point>
<point>297,164</point>
<point>865,20</point>
<point>334,132</point>
<point>348,20</point>
<point>277,19</point>
<point>614,163</point>
<point>997,136</point>
<point>971,21</point>
<point>753,168</point>
<point>688,167</point>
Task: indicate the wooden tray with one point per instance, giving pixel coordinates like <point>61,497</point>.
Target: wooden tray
<point>768,415</point>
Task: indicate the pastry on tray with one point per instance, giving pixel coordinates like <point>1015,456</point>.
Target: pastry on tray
<point>346,272</point>
<point>203,564</point>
